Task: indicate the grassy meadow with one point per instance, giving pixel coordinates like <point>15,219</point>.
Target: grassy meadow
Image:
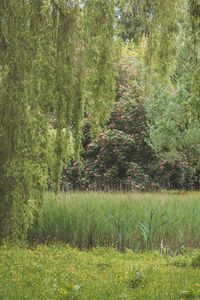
<point>138,221</point>
<point>100,246</point>
<point>61,272</point>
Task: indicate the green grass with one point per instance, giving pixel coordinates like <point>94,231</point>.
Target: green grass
<point>61,272</point>
<point>134,220</point>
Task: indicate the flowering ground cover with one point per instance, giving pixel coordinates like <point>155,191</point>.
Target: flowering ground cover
<point>61,272</point>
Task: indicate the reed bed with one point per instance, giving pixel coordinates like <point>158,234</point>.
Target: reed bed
<point>139,221</point>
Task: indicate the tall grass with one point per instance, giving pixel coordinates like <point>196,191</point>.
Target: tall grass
<point>137,221</point>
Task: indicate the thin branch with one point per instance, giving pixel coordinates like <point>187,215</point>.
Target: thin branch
<point>58,8</point>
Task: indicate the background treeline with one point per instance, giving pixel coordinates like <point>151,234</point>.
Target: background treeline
<point>152,138</point>
<point>147,144</point>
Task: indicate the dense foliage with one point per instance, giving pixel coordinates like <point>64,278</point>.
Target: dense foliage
<point>137,149</point>
<point>117,156</point>
<point>55,57</point>
<point>57,72</point>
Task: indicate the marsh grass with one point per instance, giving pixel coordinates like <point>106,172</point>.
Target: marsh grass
<point>140,221</point>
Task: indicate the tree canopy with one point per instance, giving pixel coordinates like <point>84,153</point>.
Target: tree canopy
<point>57,63</point>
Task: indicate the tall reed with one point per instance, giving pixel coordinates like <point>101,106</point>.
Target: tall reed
<point>141,221</point>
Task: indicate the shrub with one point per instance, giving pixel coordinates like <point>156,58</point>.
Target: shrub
<point>73,176</point>
<point>120,156</point>
<point>177,175</point>
<point>136,178</point>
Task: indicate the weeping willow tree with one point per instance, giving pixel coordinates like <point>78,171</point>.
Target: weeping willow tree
<point>170,34</point>
<point>194,50</point>
<point>22,130</point>
<point>174,29</point>
<point>45,75</point>
<point>168,28</point>
<point>100,58</point>
<point>66,17</point>
<point>85,70</point>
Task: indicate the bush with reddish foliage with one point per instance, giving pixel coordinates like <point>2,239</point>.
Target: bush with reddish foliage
<point>176,175</point>
<point>120,157</point>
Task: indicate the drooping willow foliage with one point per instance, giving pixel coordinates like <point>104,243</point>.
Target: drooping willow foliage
<point>171,31</point>
<point>174,28</point>
<point>22,122</point>
<point>57,62</point>
<point>194,57</point>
